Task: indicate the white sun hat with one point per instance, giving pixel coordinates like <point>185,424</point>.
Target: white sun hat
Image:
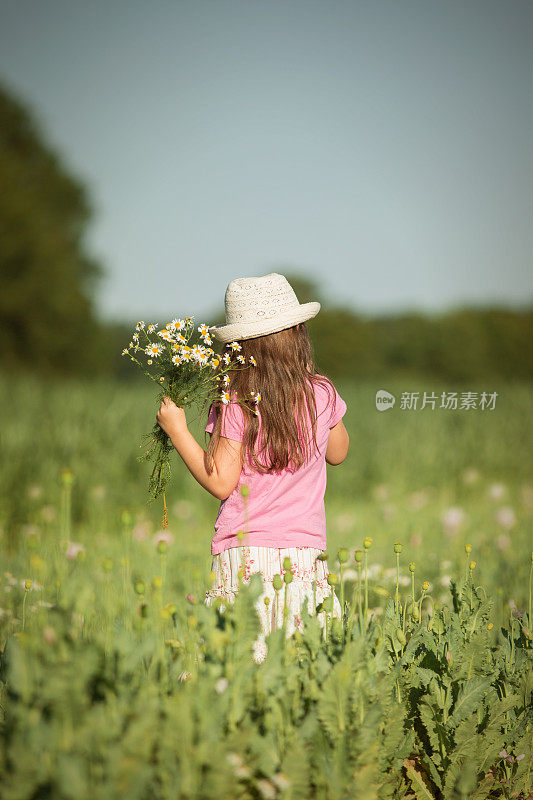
<point>257,306</point>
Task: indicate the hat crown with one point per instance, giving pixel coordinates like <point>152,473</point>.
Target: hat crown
<point>259,298</point>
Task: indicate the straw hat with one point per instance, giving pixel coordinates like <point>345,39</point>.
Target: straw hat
<point>257,306</point>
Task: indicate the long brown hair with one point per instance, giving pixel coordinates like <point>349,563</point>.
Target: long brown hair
<point>284,377</point>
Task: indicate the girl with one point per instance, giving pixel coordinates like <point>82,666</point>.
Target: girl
<point>266,458</point>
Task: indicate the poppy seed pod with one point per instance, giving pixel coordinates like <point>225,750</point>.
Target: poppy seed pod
<point>67,477</point>
<point>343,555</point>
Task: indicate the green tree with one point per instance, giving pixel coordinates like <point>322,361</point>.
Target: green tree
<point>47,321</point>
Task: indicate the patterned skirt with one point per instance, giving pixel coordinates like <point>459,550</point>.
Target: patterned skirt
<point>268,561</point>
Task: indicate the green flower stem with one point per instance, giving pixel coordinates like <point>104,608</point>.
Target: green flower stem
<point>352,612</point>
<point>365,558</point>
<point>341,569</point>
<point>24,609</point>
<point>285,609</point>
<point>529,619</point>
<point>360,596</point>
<point>397,594</point>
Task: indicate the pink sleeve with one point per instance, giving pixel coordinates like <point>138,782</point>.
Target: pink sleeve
<point>232,421</point>
<point>340,410</point>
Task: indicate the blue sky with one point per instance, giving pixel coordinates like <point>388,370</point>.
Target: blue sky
<point>384,149</point>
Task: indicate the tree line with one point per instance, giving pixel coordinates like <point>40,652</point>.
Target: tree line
<point>49,324</point>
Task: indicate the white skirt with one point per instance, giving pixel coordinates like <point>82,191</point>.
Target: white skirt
<point>268,561</point>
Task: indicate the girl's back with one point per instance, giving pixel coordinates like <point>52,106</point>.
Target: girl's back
<point>283,508</point>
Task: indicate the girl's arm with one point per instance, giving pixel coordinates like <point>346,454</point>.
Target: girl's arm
<point>227,466</point>
<point>338,443</point>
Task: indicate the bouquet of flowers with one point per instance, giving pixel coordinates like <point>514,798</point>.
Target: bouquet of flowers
<point>185,371</point>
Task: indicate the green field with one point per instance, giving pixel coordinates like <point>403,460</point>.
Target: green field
<point>404,471</point>
<point>96,668</point>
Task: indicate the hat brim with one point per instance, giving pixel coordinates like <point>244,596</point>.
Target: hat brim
<point>231,331</point>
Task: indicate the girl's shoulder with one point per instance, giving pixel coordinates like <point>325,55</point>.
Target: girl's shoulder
<point>328,399</point>
<point>324,388</point>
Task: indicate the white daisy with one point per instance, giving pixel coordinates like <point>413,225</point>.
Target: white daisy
<point>135,337</point>
<point>139,326</point>
<point>197,350</point>
<point>125,352</point>
<point>203,329</point>
<point>235,346</point>
<point>151,328</point>
<point>225,380</point>
<point>225,397</point>
<point>164,334</point>
<point>154,350</point>
<point>226,358</point>
<point>176,360</point>
<point>253,361</point>
<point>241,359</point>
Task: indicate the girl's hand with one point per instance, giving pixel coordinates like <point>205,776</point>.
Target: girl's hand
<point>171,417</point>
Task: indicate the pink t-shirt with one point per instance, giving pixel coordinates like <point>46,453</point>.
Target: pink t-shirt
<point>285,508</point>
